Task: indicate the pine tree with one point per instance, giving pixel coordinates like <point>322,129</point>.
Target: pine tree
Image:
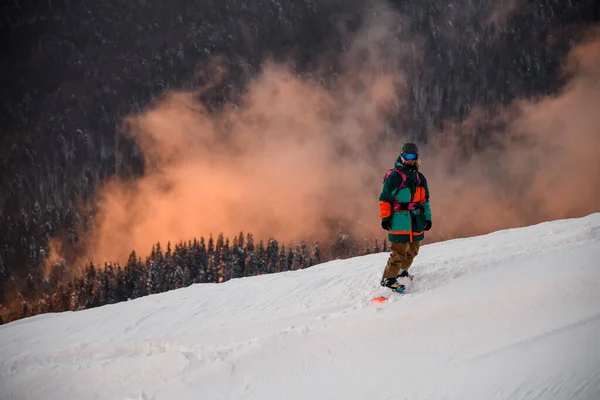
<point>168,273</point>
<point>168,254</point>
<point>251,262</point>
<point>290,260</point>
<point>298,258</point>
<point>203,257</point>
<point>155,276</point>
<point>182,259</point>
<point>179,277</point>
<point>225,267</point>
<point>305,259</point>
<point>219,246</point>
<point>141,279</point>
<point>76,295</point>
<point>194,262</point>
<point>238,262</point>
<point>282,260</point>
<point>261,257</point>
<point>131,276</point>
<point>376,248</point>
<point>60,298</point>
<point>272,257</point>
<point>91,299</point>
<point>157,254</point>
<point>109,284</point>
<point>317,253</point>
<point>212,265</point>
<point>120,285</point>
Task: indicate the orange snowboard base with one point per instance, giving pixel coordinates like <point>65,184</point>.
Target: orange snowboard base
<point>379,300</point>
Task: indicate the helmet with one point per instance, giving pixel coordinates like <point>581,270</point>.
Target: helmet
<point>409,147</point>
<point>409,152</point>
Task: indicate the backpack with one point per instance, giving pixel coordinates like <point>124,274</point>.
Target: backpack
<point>396,205</point>
<point>402,177</point>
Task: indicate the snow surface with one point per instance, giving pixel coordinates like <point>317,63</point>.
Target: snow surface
<point>510,315</point>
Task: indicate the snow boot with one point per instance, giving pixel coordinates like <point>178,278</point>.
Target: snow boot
<point>405,274</point>
<point>393,284</point>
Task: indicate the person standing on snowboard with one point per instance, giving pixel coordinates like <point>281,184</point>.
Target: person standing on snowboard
<point>405,213</point>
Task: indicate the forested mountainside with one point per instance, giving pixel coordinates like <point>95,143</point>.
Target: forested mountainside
<point>72,71</point>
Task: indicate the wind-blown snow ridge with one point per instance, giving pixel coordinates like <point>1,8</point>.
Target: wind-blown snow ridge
<point>510,315</point>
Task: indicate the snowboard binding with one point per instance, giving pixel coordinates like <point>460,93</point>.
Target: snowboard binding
<point>393,284</point>
<point>405,274</point>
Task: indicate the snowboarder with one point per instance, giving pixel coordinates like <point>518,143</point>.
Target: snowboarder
<point>405,213</point>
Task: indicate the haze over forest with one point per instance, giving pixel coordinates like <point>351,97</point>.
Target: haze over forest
<point>124,124</point>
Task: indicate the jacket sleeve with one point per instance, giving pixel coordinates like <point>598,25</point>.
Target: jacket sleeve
<point>426,205</point>
<point>386,199</point>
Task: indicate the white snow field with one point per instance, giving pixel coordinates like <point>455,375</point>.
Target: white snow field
<point>510,315</point>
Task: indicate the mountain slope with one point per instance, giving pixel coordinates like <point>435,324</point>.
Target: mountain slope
<point>510,315</point>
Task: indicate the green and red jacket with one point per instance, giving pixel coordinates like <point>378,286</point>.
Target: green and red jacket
<point>406,226</point>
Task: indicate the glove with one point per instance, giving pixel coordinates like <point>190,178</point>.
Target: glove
<point>427,225</point>
<point>386,224</point>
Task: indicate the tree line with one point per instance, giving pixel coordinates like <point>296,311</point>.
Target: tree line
<point>186,263</point>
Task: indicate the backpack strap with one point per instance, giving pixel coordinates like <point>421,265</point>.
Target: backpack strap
<point>387,174</point>
<point>402,177</point>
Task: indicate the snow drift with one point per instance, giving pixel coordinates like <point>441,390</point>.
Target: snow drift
<point>510,315</point>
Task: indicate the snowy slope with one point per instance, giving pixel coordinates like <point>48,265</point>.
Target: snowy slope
<point>510,315</point>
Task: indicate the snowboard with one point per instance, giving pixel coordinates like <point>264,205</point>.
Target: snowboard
<point>400,290</point>
<point>383,299</point>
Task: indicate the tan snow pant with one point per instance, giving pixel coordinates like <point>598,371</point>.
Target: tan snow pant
<point>401,258</point>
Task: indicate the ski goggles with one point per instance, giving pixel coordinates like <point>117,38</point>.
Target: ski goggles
<point>410,156</point>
